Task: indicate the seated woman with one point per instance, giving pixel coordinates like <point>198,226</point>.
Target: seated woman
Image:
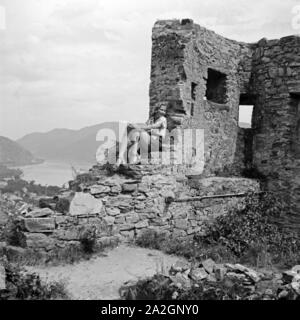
<point>141,136</point>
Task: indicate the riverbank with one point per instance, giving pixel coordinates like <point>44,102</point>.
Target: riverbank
<point>53,172</point>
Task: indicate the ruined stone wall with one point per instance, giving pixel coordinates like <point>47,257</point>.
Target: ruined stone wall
<point>276,86</point>
<point>243,153</point>
<point>265,74</point>
<point>131,206</point>
<point>200,74</point>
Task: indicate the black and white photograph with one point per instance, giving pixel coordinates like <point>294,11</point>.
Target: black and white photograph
<point>149,151</point>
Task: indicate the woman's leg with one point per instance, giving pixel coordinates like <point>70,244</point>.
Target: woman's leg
<point>123,148</point>
<point>144,146</point>
<point>133,138</point>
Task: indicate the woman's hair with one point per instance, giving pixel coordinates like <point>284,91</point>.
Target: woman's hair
<point>162,106</point>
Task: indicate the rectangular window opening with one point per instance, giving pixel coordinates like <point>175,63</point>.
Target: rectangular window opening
<point>246,107</point>
<point>216,86</point>
<point>192,109</point>
<point>193,90</point>
<point>245,116</point>
<point>295,103</point>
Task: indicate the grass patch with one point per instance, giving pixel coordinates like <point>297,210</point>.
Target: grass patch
<point>251,236</point>
<point>191,249</point>
<point>22,285</point>
<point>70,254</point>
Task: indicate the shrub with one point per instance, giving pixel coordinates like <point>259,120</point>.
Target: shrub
<point>62,205</point>
<point>47,203</point>
<point>88,238</point>
<point>250,235</point>
<point>188,248</point>
<point>156,288</point>
<point>20,185</point>
<point>85,178</point>
<point>28,286</point>
<point>160,287</point>
<point>151,239</point>
<point>13,233</point>
<point>9,172</point>
<point>254,232</point>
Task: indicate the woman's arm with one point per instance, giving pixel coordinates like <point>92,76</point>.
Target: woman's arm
<point>156,125</point>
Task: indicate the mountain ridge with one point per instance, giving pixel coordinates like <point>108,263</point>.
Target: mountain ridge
<point>69,144</point>
<point>13,154</point>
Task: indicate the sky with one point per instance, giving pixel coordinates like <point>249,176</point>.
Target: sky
<point>71,64</point>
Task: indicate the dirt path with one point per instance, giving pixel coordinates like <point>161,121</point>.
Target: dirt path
<point>101,277</point>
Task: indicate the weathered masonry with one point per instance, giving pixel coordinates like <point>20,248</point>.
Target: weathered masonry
<point>206,77</point>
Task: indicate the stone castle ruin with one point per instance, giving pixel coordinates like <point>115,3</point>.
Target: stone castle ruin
<point>204,78</point>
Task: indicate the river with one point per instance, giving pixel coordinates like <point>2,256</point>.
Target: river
<point>52,172</point>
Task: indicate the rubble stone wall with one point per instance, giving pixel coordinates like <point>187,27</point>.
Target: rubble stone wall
<point>185,59</point>
<point>205,77</point>
<point>243,153</point>
<point>276,86</point>
<point>132,206</point>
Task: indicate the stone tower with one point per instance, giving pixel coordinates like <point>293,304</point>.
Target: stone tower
<point>205,77</point>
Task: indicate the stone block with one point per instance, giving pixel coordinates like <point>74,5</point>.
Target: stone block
<point>296,287</point>
<point>250,273</point>
<point>288,276</point>
<point>99,189</point>
<point>85,204</point>
<point>219,271</point>
<point>239,277</point>
<point>181,224</point>
<point>191,231</point>
<point>208,265</point>
<point>39,213</point>
<point>180,266</point>
<point>296,269</point>
<point>181,280</point>
<point>198,274</point>
<point>127,234</point>
<point>160,222</point>
<point>107,241</point>
<point>39,225</point>
<point>115,230</point>
<point>120,219</point>
<point>109,220</point>
<point>140,197</point>
<point>132,217</point>
<point>2,278</point>
<point>143,187</point>
<point>113,211</point>
<point>68,235</point>
<point>177,233</point>
<point>179,213</point>
<point>123,202</point>
<point>39,240</point>
<point>142,224</point>
<point>194,223</point>
<point>139,207</point>
<point>62,219</point>
<point>129,187</point>
<point>3,218</point>
<point>115,189</point>
<point>126,227</point>
<point>13,251</point>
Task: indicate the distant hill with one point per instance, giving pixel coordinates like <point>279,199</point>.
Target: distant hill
<point>65,144</point>
<point>13,154</point>
<point>70,145</point>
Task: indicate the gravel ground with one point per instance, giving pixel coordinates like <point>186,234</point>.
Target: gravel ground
<point>101,277</point>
